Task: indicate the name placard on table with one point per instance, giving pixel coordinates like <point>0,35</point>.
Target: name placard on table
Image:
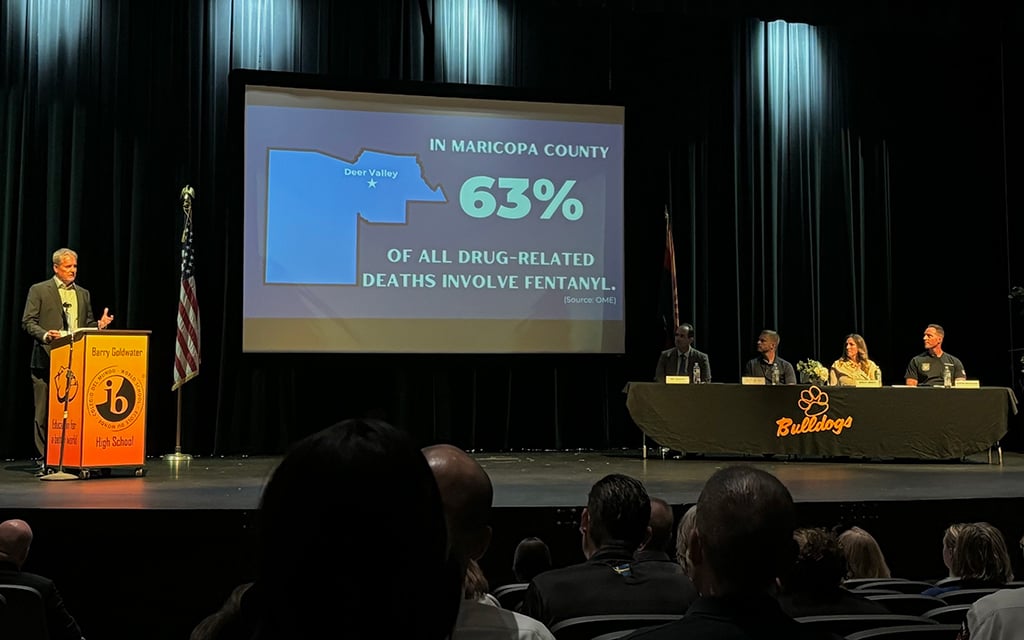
<point>677,379</point>
<point>753,380</point>
<point>967,384</point>
<point>877,384</point>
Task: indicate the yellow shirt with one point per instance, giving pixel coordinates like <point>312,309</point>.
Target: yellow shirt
<point>846,373</point>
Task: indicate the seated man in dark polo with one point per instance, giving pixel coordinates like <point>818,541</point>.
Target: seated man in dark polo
<point>926,369</point>
<point>768,361</point>
<point>741,542</point>
<point>681,359</point>
<point>614,524</point>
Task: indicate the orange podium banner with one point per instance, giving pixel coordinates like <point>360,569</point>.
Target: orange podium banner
<point>106,399</point>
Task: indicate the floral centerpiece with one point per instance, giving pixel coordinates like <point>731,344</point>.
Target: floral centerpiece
<point>812,372</point>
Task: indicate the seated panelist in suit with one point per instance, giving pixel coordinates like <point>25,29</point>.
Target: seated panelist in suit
<point>854,364</point>
<point>681,359</point>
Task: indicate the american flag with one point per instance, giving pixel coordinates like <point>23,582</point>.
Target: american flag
<point>186,349</point>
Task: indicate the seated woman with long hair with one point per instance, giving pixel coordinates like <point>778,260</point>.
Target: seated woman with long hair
<point>977,559</point>
<point>854,364</point>
<point>864,558</point>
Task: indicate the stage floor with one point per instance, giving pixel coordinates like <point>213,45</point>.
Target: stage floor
<point>526,479</point>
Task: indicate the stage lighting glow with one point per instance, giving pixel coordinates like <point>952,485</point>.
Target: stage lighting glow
<point>51,25</point>
<point>475,41</point>
<point>264,33</point>
<point>795,68</point>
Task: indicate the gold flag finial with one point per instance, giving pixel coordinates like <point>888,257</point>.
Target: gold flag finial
<point>188,194</point>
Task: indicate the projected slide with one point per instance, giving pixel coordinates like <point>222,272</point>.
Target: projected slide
<point>398,223</point>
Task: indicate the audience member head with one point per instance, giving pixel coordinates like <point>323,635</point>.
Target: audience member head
<point>532,557</point>
<point>617,514</point>
<point>15,541</point>
<point>743,538</point>
<point>683,532</point>
<point>819,565</point>
<point>864,558</point>
<point>356,485</point>
<point>466,494</point>
<point>225,624</point>
<point>661,523</point>
<point>980,554</point>
<point>949,543</point>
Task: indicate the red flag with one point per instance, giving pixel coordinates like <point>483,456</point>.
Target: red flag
<point>186,350</point>
<point>670,287</point>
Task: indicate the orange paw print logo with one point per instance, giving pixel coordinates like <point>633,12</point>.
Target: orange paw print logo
<point>813,401</point>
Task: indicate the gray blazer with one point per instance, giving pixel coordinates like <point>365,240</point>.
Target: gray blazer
<point>44,312</point>
<point>668,363</point>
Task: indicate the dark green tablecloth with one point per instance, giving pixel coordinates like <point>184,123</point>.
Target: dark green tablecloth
<point>890,422</point>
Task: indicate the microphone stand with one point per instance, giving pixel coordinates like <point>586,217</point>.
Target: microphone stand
<point>60,474</point>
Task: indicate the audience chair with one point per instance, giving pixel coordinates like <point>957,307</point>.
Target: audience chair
<point>949,614</point>
<point>589,627</point>
<point>24,617</point>
<point>908,604</point>
<point>510,596</point>
<point>844,625</point>
<point>853,583</point>
<point>910,632</point>
<point>965,596</point>
<point>901,586</point>
<point>614,635</point>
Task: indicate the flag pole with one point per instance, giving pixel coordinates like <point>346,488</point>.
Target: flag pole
<point>187,194</point>
<point>178,456</point>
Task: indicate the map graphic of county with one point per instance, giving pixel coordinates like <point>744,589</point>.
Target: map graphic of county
<point>315,201</point>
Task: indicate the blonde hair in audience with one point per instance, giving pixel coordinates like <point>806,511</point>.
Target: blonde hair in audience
<point>952,533</point>
<point>474,585</point>
<point>980,554</point>
<point>864,558</point>
<point>683,531</point>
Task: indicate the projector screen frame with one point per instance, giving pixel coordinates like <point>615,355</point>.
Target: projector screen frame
<point>240,80</point>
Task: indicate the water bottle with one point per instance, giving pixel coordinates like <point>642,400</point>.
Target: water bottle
<point>775,373</point>
<point>947,375</point>
<point>878,376</point>
<point>696,374</point>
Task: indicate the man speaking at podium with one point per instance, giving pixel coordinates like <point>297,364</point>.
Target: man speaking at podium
<point>55,308</point>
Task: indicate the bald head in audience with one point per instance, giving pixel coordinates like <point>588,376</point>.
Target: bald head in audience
<point>15,540</point>
<point>743,535</point>
<point>661,523</point>
<point>466,494</point>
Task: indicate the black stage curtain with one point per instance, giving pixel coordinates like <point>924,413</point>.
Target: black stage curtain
<point>892,207</point>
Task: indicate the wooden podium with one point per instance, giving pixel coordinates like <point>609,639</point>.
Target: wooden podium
<point>106,400</point>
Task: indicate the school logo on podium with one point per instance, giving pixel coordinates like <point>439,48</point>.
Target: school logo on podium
<point>115,398</point>
<point>66,384</point>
